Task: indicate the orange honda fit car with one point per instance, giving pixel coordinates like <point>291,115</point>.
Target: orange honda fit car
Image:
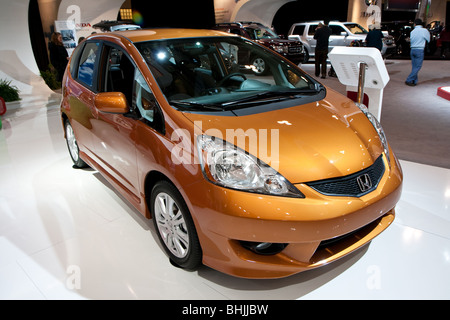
<point>255,176</point>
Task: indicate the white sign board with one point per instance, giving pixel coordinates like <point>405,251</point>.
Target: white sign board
<point>347,62</point>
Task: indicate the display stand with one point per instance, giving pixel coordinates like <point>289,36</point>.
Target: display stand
<point>361,70</point>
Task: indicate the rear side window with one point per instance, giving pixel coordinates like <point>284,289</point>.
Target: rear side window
<point>312,29</point>
<point>87,63</point>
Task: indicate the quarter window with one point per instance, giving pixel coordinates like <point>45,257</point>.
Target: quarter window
<point>145,101</point>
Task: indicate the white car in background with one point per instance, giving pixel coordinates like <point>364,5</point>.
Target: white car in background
<point>343,34</point>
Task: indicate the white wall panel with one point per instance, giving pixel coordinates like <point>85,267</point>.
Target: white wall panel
<point>17,61</point>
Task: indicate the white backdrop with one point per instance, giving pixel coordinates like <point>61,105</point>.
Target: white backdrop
<point>261,11</point>
<point>17,61</point>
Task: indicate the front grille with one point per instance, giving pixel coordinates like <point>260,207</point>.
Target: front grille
<point>351,185</point>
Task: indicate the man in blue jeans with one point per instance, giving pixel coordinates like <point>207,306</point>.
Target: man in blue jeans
<point>419,37</point>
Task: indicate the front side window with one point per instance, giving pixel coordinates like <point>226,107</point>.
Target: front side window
<point>258,32</point>
<point>356,28</point>
<point>218,73</point>
<point>87,63</point>
<point>337,30</point>
<point>119,72</point>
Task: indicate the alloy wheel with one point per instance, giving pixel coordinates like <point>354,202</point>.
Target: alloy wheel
<point>171,225</point>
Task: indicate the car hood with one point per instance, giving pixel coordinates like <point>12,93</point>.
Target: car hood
<point>319,140</point>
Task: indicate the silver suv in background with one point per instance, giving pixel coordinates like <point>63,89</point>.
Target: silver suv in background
<point>343,34</point>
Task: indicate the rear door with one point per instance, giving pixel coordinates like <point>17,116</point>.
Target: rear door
<point>81,92</point>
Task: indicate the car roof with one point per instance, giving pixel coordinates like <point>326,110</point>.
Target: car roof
<point>330,22</point>
<point>160,34</point>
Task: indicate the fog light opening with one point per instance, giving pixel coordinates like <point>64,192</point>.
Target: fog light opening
<point>264,248</point>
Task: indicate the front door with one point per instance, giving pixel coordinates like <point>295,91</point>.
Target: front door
<point>115,145</point>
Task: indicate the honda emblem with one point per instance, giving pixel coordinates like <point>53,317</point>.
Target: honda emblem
<point>364,182</point>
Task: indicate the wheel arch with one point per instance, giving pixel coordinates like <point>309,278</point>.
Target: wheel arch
<point>151,179</point>
<point>64,118</point>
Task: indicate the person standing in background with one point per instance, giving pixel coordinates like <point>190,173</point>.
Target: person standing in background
<point>375,37</point>
<point>419,38</point>
<point>322,36</point>
<point>58,54</point>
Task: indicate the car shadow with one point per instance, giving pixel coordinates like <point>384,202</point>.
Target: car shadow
<point>287,288</point>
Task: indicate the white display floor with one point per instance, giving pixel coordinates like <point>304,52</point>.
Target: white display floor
<point>66,234</point>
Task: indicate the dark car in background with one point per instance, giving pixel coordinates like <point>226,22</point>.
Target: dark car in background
<point>401,31</point>
<point>291,49</point>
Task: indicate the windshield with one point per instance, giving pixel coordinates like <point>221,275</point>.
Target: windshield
<point>258,32</point>
<point>221,73</point>
<point>355,28</point>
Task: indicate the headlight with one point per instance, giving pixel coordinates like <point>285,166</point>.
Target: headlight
<point>376,124</point>
<point>280,49</point>
<point>231,167</point>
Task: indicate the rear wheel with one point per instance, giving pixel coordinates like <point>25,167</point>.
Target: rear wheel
<point>174,225</point>
<point>72,145</point>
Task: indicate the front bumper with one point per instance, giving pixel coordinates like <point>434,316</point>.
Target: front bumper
<point>317,229</point>
<point>295,58</point>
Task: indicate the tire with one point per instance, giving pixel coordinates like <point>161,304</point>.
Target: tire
<point>261,67</point>
<point>72,145</point>
<point>174,226</point>
<point>306,57</point>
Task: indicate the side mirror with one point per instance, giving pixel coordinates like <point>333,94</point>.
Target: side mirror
<point>112,102</point>
<point>343,33</point>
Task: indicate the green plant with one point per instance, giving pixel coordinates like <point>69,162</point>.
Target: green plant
<point>8,92</point>
<point>49,77</point>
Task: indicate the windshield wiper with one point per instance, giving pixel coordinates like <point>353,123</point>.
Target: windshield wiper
<point>195,105</point>
<point>271,96</point>
<point>258,98</point>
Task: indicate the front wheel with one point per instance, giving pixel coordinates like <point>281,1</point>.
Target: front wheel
<point>260,66</point>
<point>306,56</point>
<point>174,225</point>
